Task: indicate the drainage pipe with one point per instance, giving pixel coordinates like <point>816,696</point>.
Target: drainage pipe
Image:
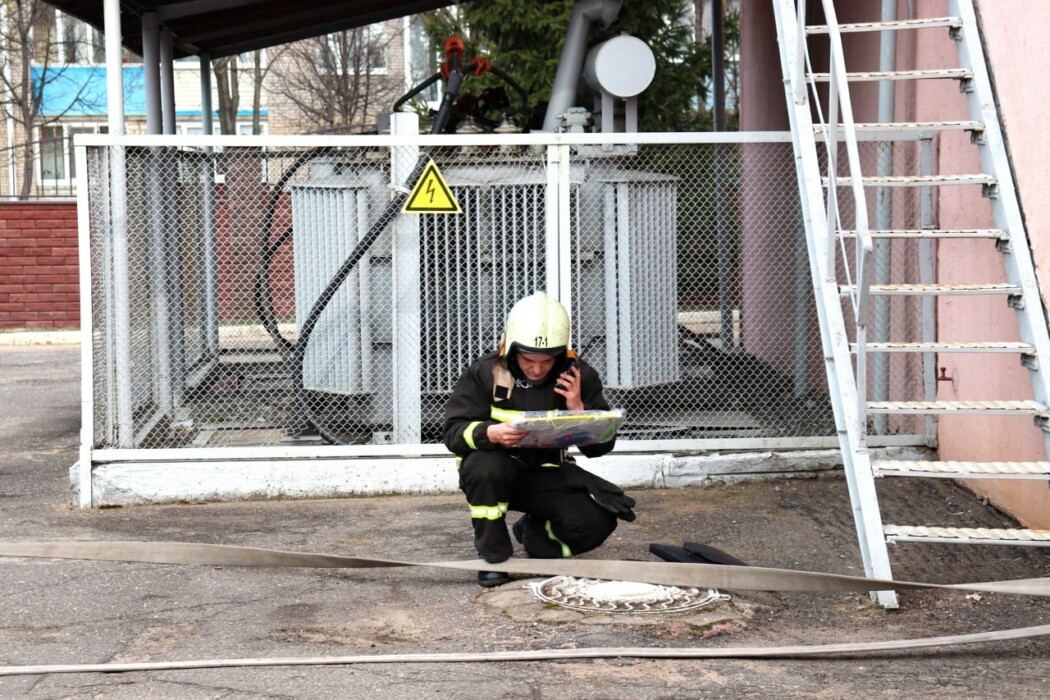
<point>722,232</point>
<point>880,377</point>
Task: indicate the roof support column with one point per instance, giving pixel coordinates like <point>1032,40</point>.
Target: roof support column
<point>114,66</point>
<point>155,220</point>
<point>206,118</point>
<point>167,80</point>
<point>172,264</point>
<point>119,233</point>
<point>151,70</point>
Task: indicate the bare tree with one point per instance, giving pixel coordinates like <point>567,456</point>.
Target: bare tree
<point>258,75</point>
<point>29,53</point>
<point>228,72</point>
<point>228,87</point>
<point>337,81</point>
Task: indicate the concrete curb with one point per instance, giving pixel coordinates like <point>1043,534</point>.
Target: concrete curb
<point>8,338</point>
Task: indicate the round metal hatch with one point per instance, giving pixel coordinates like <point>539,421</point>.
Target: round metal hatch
<point>596,595</point>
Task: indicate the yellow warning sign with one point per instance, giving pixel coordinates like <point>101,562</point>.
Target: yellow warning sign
<point>431,195</point>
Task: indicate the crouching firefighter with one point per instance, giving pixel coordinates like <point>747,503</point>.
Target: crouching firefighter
<point>567,510</point>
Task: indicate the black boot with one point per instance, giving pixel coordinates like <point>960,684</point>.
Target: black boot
<point>491,579</point>
<point>519,530</point>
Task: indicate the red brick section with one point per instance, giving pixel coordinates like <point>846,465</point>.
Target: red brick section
<point>39,283</point>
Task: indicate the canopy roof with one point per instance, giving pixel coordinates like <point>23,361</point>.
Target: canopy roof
<point>227,27</point>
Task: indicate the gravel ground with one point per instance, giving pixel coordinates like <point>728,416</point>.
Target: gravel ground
<point>90,612</point>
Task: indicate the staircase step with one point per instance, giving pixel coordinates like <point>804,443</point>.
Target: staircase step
<point>931,74</point>
<point>926,23</point>
<point>911,127</point>
<point>967,535</point>
<point>962,470</point>
<point>933,233</point>
<point>916,180</point>
<point>936,289</point>
<point>991,408</point>
<point>977,347</point>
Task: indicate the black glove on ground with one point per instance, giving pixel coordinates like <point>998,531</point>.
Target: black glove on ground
<point>605,493</point>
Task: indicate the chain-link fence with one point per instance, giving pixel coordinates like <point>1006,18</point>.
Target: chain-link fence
<point>684,267</point>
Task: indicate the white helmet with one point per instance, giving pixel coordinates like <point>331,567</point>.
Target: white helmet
<point>536,324</point>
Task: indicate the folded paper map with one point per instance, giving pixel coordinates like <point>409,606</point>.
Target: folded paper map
<point>567,428</point>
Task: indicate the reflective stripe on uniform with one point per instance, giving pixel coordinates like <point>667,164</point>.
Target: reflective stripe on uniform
<point>468,434</point>
<point>565,551</point>
<point>508,415</point>
<point>488,512</point>
<point>505,415</point>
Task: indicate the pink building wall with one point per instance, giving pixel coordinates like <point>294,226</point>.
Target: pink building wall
<point>1019,53</point>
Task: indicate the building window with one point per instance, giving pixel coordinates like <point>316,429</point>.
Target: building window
<point>355,51</point>
<point>55,152</point>
<point>81,43</point>
<point>52,153</point>
<point>195,128</point>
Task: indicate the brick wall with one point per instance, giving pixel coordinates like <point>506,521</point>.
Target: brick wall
<point>39,283</point>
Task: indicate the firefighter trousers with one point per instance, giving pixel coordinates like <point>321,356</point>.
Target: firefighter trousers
<point>560,520</point>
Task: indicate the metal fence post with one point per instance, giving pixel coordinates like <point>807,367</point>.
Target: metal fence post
<point>407,380</point>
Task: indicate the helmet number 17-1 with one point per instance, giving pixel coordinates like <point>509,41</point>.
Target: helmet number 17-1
<point>541,341</point>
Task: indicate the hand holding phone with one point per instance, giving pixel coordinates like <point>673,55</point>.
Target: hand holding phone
<point>568,385</point>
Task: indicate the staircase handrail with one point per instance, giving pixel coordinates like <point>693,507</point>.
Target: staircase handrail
<point>839,102</point>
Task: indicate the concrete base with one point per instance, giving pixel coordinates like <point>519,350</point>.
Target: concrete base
<point>142,483</point>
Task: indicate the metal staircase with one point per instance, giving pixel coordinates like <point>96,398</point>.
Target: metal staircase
<point>841,262</point>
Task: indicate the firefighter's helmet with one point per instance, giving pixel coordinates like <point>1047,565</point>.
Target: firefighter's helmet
<point>537,324</point>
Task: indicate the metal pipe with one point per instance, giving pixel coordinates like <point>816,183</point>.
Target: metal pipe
<point>718,64</point>
<point>573,54</point>
<point>87,332</point>
<point>880,377</point>
<point>119,223</point>
<point>927,275</point>
<point>724,252</point>
<point>210,320</point>
<point>802,307</point>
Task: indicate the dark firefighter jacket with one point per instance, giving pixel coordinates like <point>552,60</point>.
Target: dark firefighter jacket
<point>469,412</point>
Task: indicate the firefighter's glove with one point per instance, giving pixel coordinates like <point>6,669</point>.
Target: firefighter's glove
<point>605,493</point>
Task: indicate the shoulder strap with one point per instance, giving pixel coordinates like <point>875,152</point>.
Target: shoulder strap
<point>502,380</point>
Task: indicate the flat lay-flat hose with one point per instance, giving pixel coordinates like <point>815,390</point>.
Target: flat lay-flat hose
<point>663,573</point>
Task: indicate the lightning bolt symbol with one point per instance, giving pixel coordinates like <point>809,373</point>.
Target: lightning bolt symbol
<point>430,190</point>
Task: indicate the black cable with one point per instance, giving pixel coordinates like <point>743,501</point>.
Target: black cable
<point>415,91</point>
<point>455,79</point>
<point>261,295</point>
<point>524,109</point>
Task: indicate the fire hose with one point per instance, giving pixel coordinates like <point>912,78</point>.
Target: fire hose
<point>662,573</point>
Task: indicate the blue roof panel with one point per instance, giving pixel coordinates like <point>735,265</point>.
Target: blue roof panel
<point>80,91</point>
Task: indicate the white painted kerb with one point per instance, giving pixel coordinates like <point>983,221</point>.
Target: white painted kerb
<point>136,483</point>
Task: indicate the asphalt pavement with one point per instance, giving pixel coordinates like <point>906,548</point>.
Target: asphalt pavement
<point>71,612</point>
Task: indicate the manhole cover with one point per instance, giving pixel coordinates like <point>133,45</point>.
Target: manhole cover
<point>621,596</point>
